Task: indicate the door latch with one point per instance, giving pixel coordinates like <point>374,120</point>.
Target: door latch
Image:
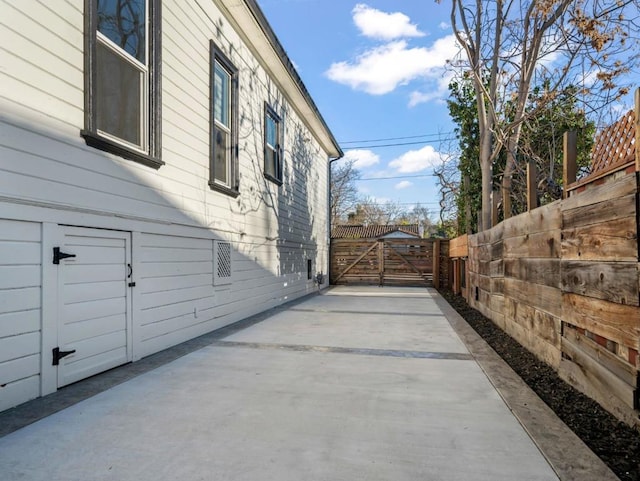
<point>58,255</point>
<point>58,354</point>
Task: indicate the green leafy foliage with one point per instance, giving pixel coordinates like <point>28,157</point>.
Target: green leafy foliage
<point>541,140</point>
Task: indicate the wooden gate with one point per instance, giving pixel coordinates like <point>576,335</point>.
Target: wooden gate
<point>392,261</point>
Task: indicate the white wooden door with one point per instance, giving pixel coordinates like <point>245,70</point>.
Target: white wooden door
<point>94,304</point>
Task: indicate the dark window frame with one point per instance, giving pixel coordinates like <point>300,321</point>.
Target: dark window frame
<point>216,55</point>
<point>152,156</point>
<point>277,150</point>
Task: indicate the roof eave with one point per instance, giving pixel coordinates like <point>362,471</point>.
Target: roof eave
<point>250,19</point>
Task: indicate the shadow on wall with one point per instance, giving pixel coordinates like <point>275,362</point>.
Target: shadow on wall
<point>287,209</point>
<point>46,163</point>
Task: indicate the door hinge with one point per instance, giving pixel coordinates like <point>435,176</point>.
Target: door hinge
<point>58,255</point>
<point>58,354</point>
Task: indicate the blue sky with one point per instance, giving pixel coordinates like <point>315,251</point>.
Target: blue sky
<point>376,70</point>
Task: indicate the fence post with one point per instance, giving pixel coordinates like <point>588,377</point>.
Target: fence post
<point>495,200</point>
<point>457,270</point>
<point>532,188</point>
<point>436,264</point>
<point>569,161</point>
<point>637,111</point>
<point>381,261</point>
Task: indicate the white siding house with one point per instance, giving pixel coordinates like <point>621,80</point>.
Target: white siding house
<point>163,173</point>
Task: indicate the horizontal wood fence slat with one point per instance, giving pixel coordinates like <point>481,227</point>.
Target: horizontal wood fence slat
<point>563,280</point>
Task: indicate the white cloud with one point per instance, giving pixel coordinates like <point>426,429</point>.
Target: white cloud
<point>439,85</point>
<point>416,160</point>
<point>362,158</point>
<point>439,91</point>
<point>382,69</point>
<point>403,184</point>
<point>384,26</point>
<point>422,97</point>
<point>444,26</point>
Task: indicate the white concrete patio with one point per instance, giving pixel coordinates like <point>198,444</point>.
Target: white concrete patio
<point>354,384</point>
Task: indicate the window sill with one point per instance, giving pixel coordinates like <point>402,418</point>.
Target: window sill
<point>273,179</point>
<point>224,190</point>
<point>97,141</point>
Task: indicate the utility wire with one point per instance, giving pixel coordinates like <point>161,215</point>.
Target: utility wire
<point>396,138</point>
<point>397,177</point>
<point>419,202</point>
<point>399,144</point>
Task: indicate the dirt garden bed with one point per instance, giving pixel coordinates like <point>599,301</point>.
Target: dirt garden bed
<point>617,444</point>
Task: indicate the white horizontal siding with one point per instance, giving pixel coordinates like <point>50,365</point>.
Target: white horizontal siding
<point>23,69</point>
<point>18,346</point>
<point>176,287</point>
<point>273,229</point>
<point>42,168</point>
<point>16,276</point>
<point>262,202</point>
<point>73,174</point>
<point>20,320</point>
<point>20,368</point>
<point>19,392</point>
<point>177,296</point>
<point>42,57</point>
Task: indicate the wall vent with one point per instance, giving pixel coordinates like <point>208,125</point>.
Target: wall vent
<point>222,263</point>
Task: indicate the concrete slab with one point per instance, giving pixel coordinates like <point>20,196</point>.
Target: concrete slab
<point>250,406</point>
<point>363,317</point>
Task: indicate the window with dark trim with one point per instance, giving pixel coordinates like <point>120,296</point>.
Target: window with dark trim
<point>272,145</point>
<point>223,157</point>
<point>122,78</point>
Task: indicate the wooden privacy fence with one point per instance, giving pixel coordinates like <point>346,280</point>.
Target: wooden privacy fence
<point>563,281</point>
<point>459,253</point>
<point>397,261</point>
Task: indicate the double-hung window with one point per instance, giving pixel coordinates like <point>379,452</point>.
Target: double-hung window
<point>122,78</point>
<point>223,168</point>
<point>272,144</point>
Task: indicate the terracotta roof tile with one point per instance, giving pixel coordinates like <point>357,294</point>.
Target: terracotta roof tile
<point>371,231</point>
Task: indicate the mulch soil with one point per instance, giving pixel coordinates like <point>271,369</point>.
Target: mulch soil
<point>617,444</point>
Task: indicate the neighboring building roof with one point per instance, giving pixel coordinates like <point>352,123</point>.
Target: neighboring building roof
<point>372,231</point>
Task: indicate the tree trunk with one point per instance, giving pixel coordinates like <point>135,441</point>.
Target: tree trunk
<point>487,178</point>
<point>487,187</point>
<point>507,184</point>
<point>512,145</point>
